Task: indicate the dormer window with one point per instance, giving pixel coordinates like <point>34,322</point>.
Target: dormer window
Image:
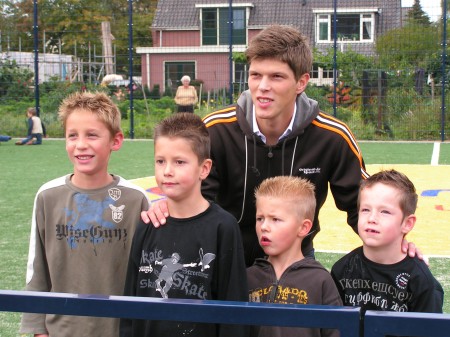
<point>356,25</point>
<point>215,28</point>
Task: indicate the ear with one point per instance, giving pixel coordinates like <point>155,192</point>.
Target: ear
<point>304,228</point>
<point>408,223</point>
<point>117,141</point>
<point>205,168</point>
<point>302,83</point>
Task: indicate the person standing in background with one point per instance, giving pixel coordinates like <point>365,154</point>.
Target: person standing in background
<point>186,96</point>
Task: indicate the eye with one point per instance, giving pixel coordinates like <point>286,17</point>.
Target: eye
<point>384,211</point>
<point>259,219</point>
<point>180,162</point>
<point>159,161</point>
<point>364,210</point>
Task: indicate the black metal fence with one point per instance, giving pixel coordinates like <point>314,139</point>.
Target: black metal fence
<point>380,66</point>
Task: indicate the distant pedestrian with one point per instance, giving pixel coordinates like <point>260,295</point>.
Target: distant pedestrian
<point>186,96</point>
<point>36,130</point>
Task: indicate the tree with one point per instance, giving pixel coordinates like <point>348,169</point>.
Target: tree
<point>407,47</point>
<point>74,26</point>
<point>417,14</point>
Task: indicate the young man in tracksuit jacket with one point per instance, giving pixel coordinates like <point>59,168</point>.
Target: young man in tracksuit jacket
<point>319,148</point>
<point>275,129</point>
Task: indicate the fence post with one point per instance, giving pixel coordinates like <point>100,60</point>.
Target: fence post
<point>36,56</point>
<point>444,75</point>
<point>130,65</point>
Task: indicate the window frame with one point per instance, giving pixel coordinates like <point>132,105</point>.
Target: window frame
<point>220,37</point>
<point>324,22</point>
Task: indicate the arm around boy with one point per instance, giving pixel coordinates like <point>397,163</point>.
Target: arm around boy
<point>199,255</point>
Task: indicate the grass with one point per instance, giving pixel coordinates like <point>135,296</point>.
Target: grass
<point>26,168</point>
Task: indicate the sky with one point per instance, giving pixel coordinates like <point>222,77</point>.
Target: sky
<point>431,7</point>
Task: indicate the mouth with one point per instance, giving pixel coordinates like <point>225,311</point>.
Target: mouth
<point>265,241</point>
<point>84,157</point>
<point>373,231</point>
<point>264,100</point>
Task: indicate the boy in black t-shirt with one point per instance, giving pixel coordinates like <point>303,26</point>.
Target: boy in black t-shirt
<point>200,254</point>
<point>378,275</point>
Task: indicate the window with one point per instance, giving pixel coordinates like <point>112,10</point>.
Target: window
<point>240,73</point>
<point>173,71</point>
<point>351,27</point>
<point>215,27</point>
<point>320,76</point>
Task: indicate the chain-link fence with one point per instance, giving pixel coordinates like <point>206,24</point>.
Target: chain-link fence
<point>380,66</point>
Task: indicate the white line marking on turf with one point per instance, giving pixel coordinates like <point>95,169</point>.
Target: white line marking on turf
<point>435,155</point>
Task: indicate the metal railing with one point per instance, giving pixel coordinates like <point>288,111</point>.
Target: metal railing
<point>345,319</point>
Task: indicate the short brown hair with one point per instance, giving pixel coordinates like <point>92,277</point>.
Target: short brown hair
<point>187,126</point>
<point>399,181</point>
<point>296,189</point>
<point>96,102</point>
<point>283,43</point>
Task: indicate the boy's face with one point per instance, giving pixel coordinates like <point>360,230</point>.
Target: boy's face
<point>381,222</point>
<point>274,89</point>
<point>89,144</point>
<point>177,170</point>
<point>279,227</point>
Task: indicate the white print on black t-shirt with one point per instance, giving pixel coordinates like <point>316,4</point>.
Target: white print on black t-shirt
<point>384,296</point>
<point>173,274</point>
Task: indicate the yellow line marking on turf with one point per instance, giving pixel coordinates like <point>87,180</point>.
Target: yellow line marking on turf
<point>430,233</point>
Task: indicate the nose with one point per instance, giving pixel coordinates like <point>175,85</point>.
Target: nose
<point>372,217</point>
<point>264,225</point>
<point>80,143</point>
<point>167,169</point>
<point>264,84</point>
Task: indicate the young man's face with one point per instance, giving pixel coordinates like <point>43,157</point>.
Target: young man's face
<point>279,228</point>
<point>381,222</point>
<point>177,170</point>
<point>274,89</point>
<point>89,144</point>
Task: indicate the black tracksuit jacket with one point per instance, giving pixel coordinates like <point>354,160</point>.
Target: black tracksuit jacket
<point>320,148</point>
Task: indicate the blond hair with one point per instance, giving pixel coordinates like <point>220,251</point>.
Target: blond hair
<point>96,102</point>
<point>291,188</point>
<point>285,44</point>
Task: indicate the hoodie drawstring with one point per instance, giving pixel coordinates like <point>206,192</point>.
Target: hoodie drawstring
<point>254,168</point>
